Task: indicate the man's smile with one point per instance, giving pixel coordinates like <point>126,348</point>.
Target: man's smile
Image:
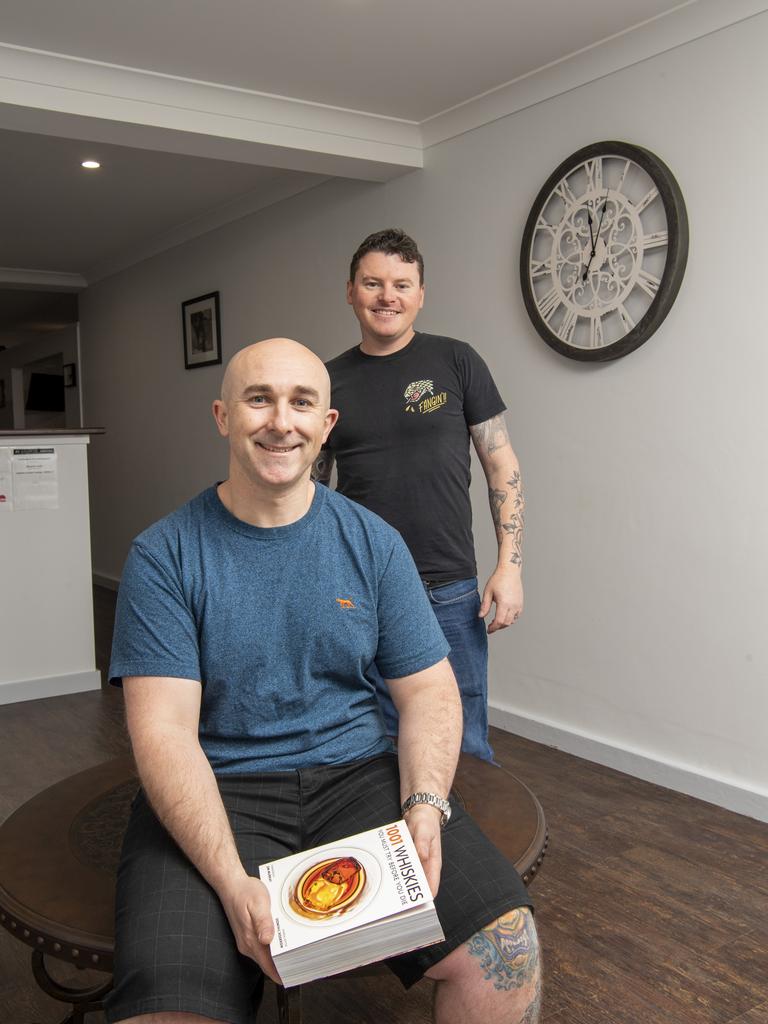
<point>284,450</point>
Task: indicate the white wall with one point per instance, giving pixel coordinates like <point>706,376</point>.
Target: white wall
<point>46,600</point>
<point>643,643</point>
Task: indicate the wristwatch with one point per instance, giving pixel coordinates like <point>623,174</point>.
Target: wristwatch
<point>428,798</point>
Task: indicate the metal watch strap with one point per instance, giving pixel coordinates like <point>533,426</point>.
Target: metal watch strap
<point>428,798</point>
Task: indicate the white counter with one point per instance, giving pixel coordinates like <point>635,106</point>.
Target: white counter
<point>46,598</point>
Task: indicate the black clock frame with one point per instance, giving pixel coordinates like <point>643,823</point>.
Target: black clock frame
<point>674,269</point>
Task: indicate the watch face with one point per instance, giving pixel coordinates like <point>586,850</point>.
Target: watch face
<point>604,251</point>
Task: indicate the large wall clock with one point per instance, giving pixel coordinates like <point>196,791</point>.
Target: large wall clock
<point>604,251</point>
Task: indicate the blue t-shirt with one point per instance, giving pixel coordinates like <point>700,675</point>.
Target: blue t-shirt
<point>280,625</point>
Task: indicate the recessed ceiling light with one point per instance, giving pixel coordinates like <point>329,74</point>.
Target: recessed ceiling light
<point>91,165</point>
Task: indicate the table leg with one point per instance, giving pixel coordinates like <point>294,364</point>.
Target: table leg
<point>289,1004</point>
<point>83,1000</point>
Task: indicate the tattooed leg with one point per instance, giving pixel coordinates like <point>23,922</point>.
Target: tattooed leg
<point>494,978</point>
<point>533,1010</point>
<point>507,950</point>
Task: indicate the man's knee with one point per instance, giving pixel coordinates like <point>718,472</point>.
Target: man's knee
<point>505,954</point>
<point>493,977</point>
<point>507,950</point>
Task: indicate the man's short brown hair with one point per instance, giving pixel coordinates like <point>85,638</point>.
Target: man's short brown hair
<point>393,242</point>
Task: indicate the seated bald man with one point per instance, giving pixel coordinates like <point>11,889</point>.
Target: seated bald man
<point>248,622</point>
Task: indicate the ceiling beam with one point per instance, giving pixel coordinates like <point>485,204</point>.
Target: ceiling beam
<point>55,94</point>
<point>41,280</point>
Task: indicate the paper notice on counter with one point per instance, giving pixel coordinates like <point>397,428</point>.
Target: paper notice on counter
<point>6,481</point>
<point>35,478</point>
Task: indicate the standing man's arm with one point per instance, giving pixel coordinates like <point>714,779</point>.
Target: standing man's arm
<point>162,717</point>
<point>429,738</point>
<point>505,494</point>
<point>323,467</point>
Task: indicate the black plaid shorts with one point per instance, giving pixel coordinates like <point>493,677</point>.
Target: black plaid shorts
<point>174,950</point>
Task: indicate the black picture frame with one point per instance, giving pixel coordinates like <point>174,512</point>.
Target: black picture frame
<point>201,324</point>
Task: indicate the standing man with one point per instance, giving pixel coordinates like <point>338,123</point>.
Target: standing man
<point>408,404</point>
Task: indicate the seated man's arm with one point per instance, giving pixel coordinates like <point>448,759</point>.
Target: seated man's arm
<point>429,739</point>
<point>162,717</point>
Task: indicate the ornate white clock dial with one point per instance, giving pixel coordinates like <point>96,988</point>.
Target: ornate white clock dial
<point>604,251</point>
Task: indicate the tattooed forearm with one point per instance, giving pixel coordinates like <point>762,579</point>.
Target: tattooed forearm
<point>323,467</point>
<point>491,435</point>
<point>507,503</point>
<point>509,954</point>
<point>513,527</point>
<point>497,499</point>
<point>516,519</point>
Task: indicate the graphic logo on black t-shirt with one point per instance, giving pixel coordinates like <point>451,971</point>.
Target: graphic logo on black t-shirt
<point>414,396</point>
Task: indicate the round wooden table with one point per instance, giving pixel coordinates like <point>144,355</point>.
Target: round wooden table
<point>59,854</point>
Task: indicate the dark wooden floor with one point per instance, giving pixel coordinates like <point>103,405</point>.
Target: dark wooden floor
<point>652,907</point>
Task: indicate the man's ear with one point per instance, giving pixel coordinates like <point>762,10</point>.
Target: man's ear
<point>350,286</point>
<point>330,421</point>
<point>219,410</point>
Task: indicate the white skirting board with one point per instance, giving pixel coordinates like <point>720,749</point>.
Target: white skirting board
<point>49,686</point>
<point>752,802</point>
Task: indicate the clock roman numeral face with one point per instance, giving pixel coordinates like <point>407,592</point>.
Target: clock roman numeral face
<point>600,250</point>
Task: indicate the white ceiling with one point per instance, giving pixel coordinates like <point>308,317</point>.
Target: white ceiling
<point>66,219</point>
<point>409,59</point>
<point>204,111</point>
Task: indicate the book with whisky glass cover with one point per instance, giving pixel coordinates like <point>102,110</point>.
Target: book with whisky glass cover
<point>349,903</point>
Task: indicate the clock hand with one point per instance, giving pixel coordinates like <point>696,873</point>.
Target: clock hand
<point>592,247</point>
<point>602,214</point>
<point>585,275</point>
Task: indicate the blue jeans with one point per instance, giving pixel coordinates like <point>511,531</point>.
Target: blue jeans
<point>456,606</point>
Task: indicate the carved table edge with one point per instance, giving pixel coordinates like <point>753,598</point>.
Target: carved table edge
<point>96,952</point>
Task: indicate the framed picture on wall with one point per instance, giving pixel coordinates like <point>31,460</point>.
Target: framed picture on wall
<point>202,331</point>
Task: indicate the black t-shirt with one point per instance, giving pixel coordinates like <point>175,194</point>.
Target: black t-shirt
<point>401,443</point>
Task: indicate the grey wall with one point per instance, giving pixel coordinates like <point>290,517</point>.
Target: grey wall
<point>643,643</point>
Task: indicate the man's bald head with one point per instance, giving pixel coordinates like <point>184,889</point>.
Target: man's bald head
<point>282,356</point>
<point>275,411</point>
